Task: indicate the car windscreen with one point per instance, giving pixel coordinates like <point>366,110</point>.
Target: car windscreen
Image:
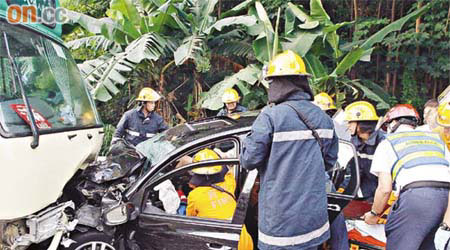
<point>161,145</point>
<point>52,83</point>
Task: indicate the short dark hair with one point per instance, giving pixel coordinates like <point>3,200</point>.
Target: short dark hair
<point>432,103</point>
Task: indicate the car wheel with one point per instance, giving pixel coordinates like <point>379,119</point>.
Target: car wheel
<point>92,240</point>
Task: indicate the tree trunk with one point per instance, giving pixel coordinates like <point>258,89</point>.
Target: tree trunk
<point>397,60</point>
<point>418,21</point>
<point>377,73</point>
<point>351,19</point>
<point>435,88</point>
<point>387,85</point>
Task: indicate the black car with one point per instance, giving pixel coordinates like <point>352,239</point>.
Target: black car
<point>131,215</point>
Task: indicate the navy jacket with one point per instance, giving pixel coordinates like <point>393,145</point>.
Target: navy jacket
<point>365,151</point>
<point>135,127</point>
<point>239,108</point>
<point>292,197</point>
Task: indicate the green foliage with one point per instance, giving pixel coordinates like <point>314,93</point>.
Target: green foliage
<point>347,57</point>
<point>109,133</point>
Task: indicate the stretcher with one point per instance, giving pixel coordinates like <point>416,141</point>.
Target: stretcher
<point>361,235</point>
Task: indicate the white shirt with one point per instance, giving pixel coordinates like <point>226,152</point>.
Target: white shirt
<point>385,157</point>
<point>424,128</point>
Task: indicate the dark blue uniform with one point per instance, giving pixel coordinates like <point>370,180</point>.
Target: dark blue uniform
<point>365,151</point>
<point>135,127</point>
<point>239,108</point>
<point>292,199</point>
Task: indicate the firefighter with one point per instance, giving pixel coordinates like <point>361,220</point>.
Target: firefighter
<point>142,123</point>
<point>442,237</point>
<point>338,230</point>
<point>413,162</point>
<point>362,119</point>
<point>213,194</point>
<point>290,160</point>
<point>326,103</point>
<point>443,122</point>
<point>230,99</point>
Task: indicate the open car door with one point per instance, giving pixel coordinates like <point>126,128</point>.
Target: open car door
<point>345,180</point>
<point>157,229</point>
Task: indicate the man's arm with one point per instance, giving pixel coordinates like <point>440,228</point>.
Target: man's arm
<point>121,126</point>
<point>383,158</point>
<point>382,194</point>
<point>256,146</point>
<point>330,157</point>
<point>162,126</point>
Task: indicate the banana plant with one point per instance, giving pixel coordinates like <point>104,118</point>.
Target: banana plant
<point>313,35</point>
<point>130,39</point>
<point>198,25</point>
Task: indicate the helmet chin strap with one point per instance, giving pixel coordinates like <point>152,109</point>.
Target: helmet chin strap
<point>401,121</point>
<point>393,129</point>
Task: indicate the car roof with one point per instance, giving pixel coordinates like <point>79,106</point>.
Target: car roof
<point>192,131</point>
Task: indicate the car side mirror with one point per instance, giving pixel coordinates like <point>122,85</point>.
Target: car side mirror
<point>118,214</point>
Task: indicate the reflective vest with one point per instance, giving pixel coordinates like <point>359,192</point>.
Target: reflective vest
<point>416,149</point>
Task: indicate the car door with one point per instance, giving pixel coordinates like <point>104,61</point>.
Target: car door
<point>344,176</point>
<point>157,229</point>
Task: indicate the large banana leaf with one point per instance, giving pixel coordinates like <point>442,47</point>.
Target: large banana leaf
<point>372,91</point>
<point>120,9</point>
<point>94,42</point>
<point>188,49</point>
<point>301,41</point>
<point>91,24</point>
<point>244,20</point>
<point>213,98</point>
<point>238,8</point>
<point>106,27</point>
<point>106,72</point>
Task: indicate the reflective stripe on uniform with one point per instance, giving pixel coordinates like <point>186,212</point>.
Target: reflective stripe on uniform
<point>401,135</point>
<point>134,133</point>
<point>131,132</point>
<point>293,240</point>
<point>413,143</point>
<point>302,135</point>
<point>365,156</point>
<point>400,163</point>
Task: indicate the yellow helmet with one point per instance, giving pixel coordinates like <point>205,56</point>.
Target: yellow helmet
<point>443,117</point>
<point>148,95</point>
<point>324,101</point>
<point>287,63</point>
<point>361,111</point>
<point>230,95</point>
<point>204,155</point>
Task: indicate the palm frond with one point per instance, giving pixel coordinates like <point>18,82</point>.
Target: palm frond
<point>236,48</point>
<point>105,72</point>
<point>93,42</point>
<point>190,47</point>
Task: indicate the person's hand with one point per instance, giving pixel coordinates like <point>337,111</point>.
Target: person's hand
<point>442,240</point>
<point>370,219</point>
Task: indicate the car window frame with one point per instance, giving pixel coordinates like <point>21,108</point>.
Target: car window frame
<point>191,150</point>
<point>225,162</point>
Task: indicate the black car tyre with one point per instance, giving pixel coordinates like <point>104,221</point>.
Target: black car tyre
<point>92,240</point>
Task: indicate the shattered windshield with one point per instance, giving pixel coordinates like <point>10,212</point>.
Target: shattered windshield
<point>161,145</point>
<point>58,96</point>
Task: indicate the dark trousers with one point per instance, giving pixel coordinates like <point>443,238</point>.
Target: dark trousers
<point>339,235</point>
<point>415,217</point>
